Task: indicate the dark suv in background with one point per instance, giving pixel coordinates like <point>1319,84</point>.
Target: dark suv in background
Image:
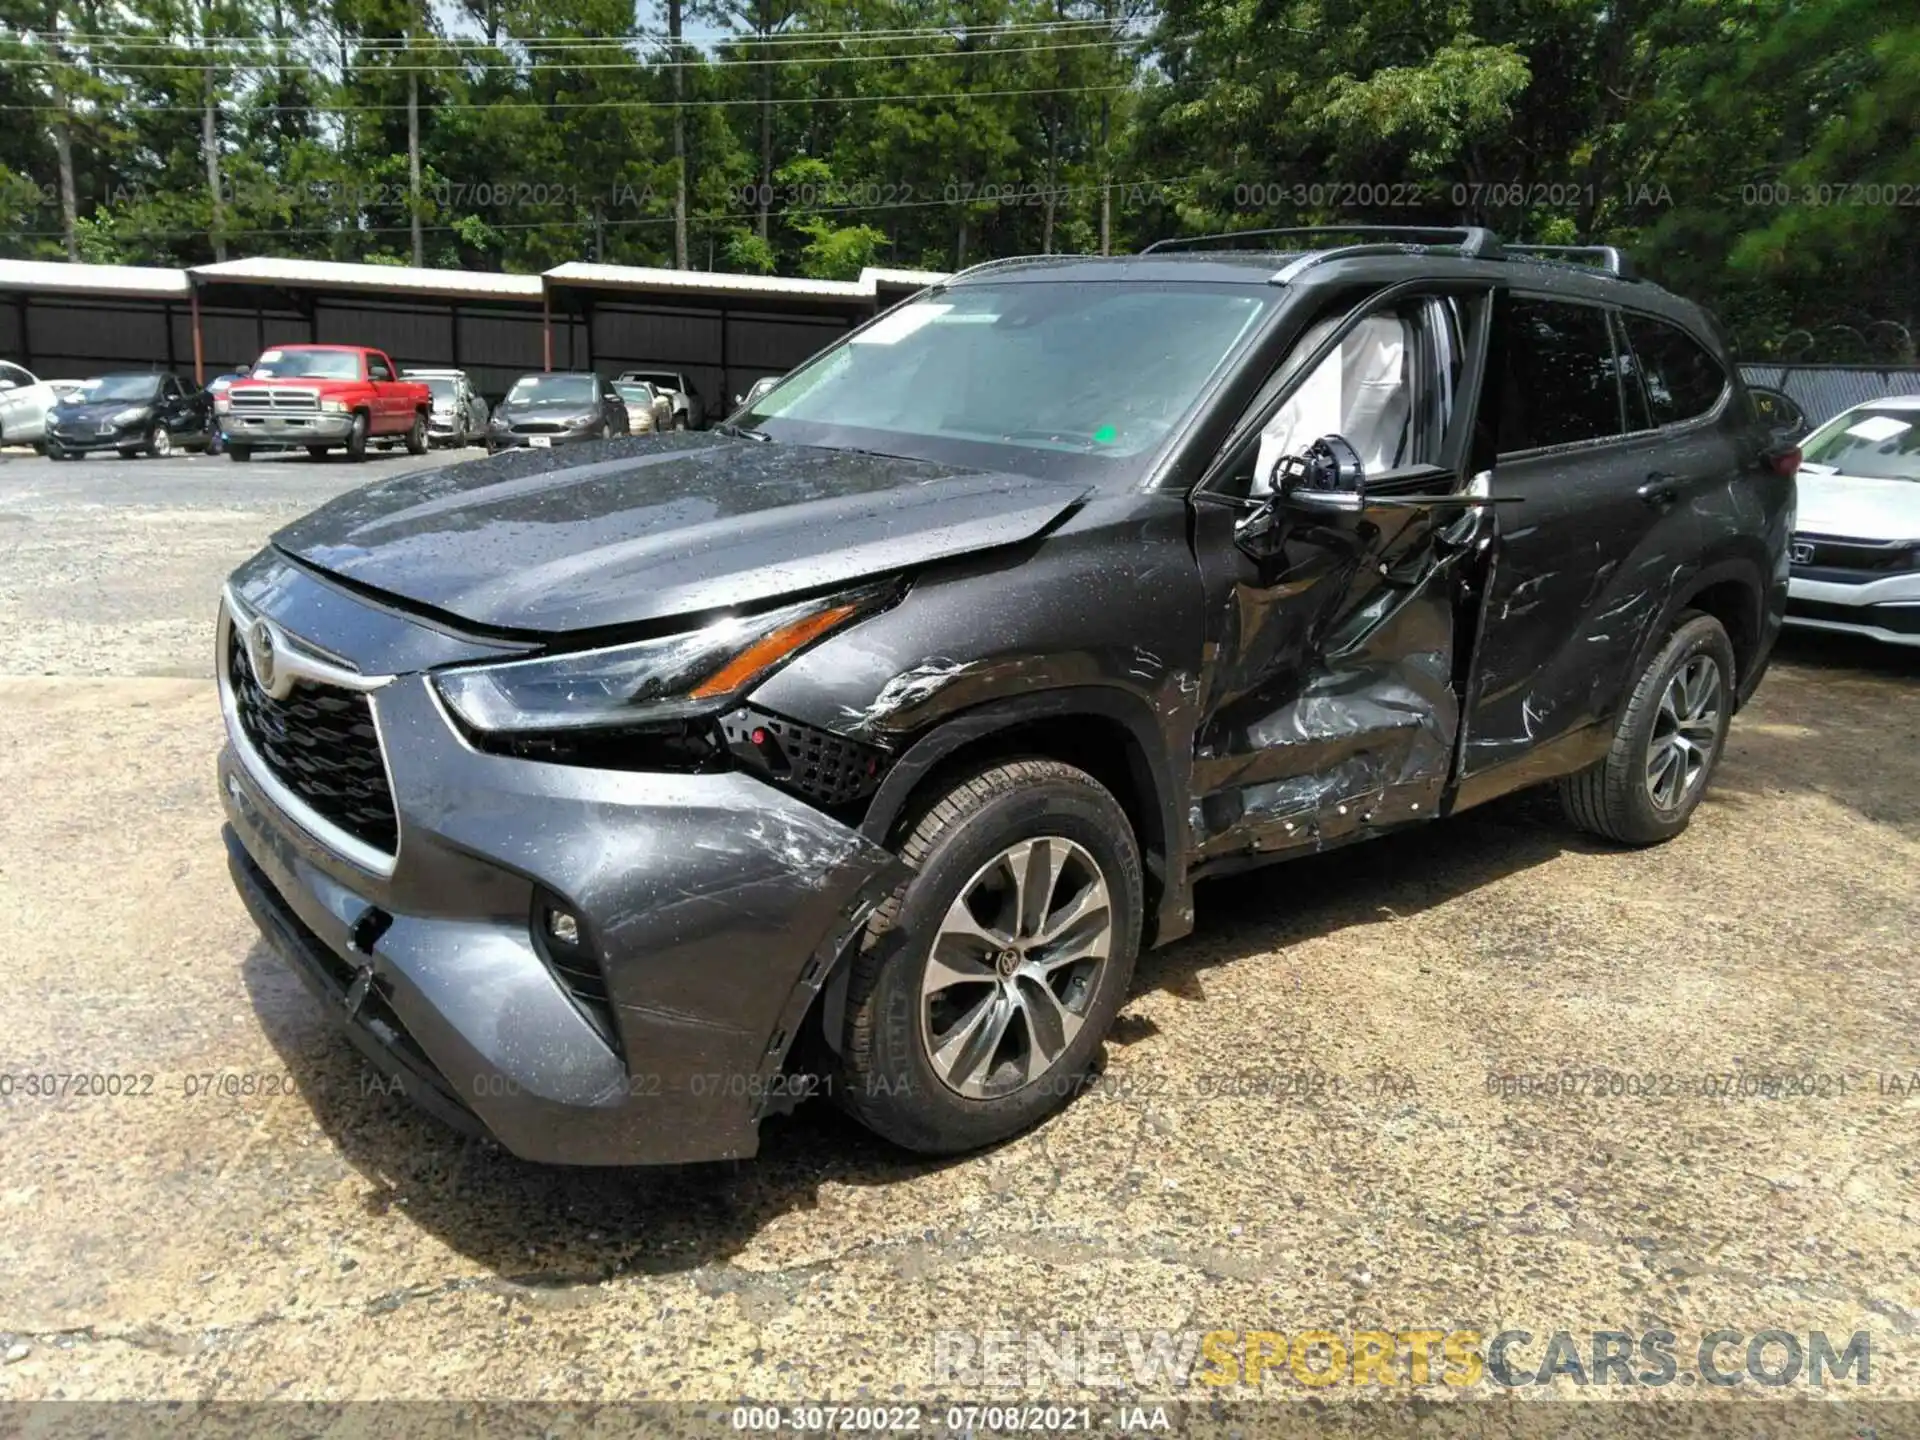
<point>616,800</point>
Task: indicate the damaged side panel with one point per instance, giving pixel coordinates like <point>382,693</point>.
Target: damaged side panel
<point>1584,570</point>
<point>1330,704</point>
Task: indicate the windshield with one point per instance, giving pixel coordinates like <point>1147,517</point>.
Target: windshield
<point>663,380</point>
<point>307,365</point>
<point>1873,443</point>
<point>440,385</point>
<point>118,387</point>
<point>637,394</point>
<point>547,389</point>
<point>1036,371</point>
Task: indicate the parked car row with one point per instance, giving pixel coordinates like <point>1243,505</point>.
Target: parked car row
<point>331,397</point>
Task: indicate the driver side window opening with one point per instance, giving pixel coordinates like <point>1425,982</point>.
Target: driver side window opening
<point>1388,387</point>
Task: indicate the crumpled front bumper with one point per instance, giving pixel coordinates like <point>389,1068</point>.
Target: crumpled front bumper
<point>716,906</point>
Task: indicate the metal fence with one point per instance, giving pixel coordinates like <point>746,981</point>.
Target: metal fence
<point>1823,391</point>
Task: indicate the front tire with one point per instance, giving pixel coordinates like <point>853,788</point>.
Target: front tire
<point>1668,740</point>
<point>239,454</point>
<point>984,986</point>
<point>357,437</point>
<point>160,443</point>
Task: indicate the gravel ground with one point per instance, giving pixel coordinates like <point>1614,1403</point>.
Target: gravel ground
<point>310,1237</point>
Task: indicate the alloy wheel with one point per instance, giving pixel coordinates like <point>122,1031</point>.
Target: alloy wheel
<point>161,446</point>
<point>1685,730</point>
<point>1014,967</point>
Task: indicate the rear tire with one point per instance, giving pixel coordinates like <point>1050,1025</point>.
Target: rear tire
<point>239,454</point>
<point>679,422</point>
<point>318,452</point>
<point>1004,1030</point>
<point>357,437</point>
<point>417,436</point>
<point>1666,743</point>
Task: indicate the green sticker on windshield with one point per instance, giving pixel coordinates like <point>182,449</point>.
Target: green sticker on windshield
<point>1105,435</point>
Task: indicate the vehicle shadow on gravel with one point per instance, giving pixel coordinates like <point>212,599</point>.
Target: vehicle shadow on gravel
<point>548,1227</point>
<point>1837,716</point>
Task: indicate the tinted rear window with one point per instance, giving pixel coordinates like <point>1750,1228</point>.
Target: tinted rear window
<point>1560,380</point>
<point>1682,379</point>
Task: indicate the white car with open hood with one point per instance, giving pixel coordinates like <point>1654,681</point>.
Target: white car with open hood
<point>1856,542</point>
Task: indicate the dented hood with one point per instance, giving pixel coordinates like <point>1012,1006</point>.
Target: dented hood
<point>637,529</point>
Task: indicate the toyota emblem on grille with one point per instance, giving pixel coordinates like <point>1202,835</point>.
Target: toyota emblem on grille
<point>262,654</point>
<point>1801,553</point>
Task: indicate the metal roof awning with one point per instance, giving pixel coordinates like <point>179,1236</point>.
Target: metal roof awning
<point>123,281</point>
<point>396,280</point>
<point>647,284</point>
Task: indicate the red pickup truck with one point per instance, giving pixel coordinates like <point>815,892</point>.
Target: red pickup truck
<point>323,397</point>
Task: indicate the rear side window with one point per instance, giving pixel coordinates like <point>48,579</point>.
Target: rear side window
<point>1682,379</point>
<point>1559,376</point>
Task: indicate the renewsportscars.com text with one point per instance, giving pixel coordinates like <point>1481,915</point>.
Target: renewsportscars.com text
<point>1154,1361</point>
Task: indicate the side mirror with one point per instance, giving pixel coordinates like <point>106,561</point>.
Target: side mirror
<point>1328,479</point>
<point>1782,418</point>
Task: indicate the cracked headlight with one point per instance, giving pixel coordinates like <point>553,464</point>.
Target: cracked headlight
<point>650,681</point>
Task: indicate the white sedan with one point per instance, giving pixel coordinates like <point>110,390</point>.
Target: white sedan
<point>24,402</point>
<point>1856,542</point>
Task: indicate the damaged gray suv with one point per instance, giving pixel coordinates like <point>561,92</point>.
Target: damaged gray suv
<point>619,797</point>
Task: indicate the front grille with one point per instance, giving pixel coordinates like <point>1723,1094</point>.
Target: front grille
<point>1871,557</point>
<point>541,427</point>
<point>1900,619</point>
<point>827,769</point>
<point>278,401</point>
<point>320,743</point>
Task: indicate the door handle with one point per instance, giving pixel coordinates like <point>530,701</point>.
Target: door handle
<point>1661,490</point>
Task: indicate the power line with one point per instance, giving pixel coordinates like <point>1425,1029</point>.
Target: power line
<point>1022,198</point>
<point>98,39</point>
<point>545,106</point>
<point>511,67</point>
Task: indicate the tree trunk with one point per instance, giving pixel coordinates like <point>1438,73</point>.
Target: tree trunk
<point>210,147</point>
<point>63,142</point>
<point>679,139</point>
<point>413,163</point>
<point>765,195</point>
<point>1053,183</point>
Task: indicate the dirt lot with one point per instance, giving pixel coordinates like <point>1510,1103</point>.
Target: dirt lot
<point>307,1236</point>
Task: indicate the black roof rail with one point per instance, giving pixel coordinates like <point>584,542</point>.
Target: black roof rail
<point>1612,259</point>
<point>1475,241</point>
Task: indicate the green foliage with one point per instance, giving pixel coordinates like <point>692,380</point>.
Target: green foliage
<point>1764,157</point>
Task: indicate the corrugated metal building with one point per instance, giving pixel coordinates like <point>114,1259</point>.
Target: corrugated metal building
<point>1823,391</point>
<point>724,331</point>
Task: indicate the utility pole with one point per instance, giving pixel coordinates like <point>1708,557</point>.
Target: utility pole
<point>210,133</point>
<point>679,139</point>
<point>63,137</point>
<point>413,153</point>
